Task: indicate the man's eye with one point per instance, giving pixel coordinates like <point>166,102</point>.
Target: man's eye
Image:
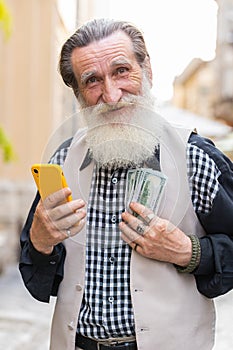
<point>122,70</point>
<point>91,80</point>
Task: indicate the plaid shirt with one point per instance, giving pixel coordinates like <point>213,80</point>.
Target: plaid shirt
<point>106,308</point>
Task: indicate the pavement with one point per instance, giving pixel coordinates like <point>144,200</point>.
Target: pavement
<point>25,322</point>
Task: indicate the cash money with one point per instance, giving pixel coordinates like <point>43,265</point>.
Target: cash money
<point>145,186</point>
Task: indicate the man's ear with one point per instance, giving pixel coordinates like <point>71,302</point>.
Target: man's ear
<point>148,69</point>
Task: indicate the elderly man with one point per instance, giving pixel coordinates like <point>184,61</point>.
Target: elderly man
<point>124,277</point>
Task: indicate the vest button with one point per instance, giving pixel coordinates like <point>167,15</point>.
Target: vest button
<point>71,325</point>
<point>78,287</point>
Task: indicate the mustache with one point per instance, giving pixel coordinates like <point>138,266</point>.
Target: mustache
<point>103,108</point>
<point>112,107</point>
<point>115,112</point>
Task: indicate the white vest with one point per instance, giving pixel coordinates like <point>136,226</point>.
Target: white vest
<point>169,312</point>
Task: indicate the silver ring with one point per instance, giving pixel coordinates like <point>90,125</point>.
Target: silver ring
<point>68,233</point>
<point>141,229</point>
<point>149,218</point>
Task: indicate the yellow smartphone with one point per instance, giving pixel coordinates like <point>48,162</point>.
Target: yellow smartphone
<point>49,178</point>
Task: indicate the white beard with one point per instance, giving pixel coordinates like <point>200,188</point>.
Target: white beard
<point>123,134</point>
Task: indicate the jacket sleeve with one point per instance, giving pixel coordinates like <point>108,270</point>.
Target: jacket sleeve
<point>214,275</point>
<point>41,274</point>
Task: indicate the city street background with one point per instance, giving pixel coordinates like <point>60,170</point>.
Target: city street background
<point>191,51</point>
<point>25,322</point>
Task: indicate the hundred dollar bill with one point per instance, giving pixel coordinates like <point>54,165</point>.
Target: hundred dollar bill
<point>151,192</point>
<point>130,183</point>
<point>145,186</point>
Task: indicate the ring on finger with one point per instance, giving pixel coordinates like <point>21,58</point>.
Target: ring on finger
<point>149,218</point>
<point>141,229</point>
<point>135,247</point>
<point>68,233</point>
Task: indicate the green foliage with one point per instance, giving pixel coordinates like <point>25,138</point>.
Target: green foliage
<point>5,145</point>
<point>5,25</point>
<point>5,19</point>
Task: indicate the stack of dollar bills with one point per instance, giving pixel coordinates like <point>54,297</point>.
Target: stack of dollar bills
<point>145,186</point>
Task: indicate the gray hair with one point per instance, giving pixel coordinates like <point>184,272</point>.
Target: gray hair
<point>96,30</point>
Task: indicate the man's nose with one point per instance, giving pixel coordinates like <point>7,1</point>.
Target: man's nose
<point>111,91</point>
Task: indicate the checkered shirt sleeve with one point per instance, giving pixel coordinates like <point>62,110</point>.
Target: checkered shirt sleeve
<point>59,157</point>
<point>203,178</point>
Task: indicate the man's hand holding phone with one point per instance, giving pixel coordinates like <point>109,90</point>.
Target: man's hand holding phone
<point>56,218</point>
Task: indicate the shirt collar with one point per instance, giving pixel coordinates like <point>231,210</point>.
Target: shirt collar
<point>87,160</point>
<point>153,163</point>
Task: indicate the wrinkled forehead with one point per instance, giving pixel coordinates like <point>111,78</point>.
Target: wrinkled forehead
<point>117,46</point>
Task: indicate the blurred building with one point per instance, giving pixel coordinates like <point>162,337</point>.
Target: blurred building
<point>206,88</point>
<point>224,62</point>
<point>194,89</point>
<point>34,102</point>
<point>89,9</point>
